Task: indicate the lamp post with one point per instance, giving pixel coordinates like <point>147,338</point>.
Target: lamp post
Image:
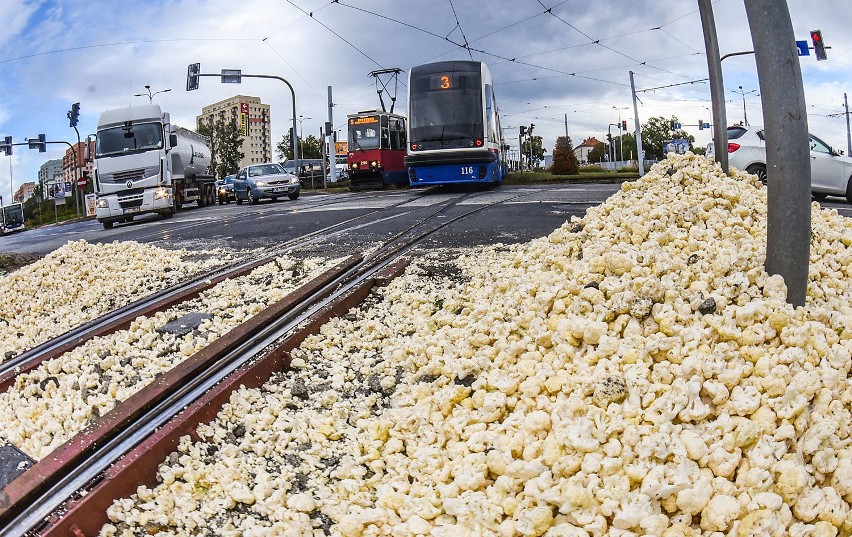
<point>620,136</point>
<point>301,146</point>
<point>744,93</point>
<point>149,94</point>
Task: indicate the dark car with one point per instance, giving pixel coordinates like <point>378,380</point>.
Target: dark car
<point>225,189</point>
<point>269,180</point>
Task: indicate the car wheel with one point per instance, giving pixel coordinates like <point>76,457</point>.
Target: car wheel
<point>251,199</point>
<point>759,170</point>
<point>819,196</point>
<point>849,190</point>
<point>293,196</point>
<point>274,199</point>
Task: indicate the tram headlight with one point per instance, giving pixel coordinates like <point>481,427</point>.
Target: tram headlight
<point>374,164</point>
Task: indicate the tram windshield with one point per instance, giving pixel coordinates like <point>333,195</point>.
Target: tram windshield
<point>445,107</point>
<point>364,133</point>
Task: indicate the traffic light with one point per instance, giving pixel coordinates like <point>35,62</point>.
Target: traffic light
<point>532,126</point>
<point>38,143</point>
<point>609,138</point>
<point>819,46</point>
<point>6,146</point>
<point>192,77</point>
<point>74,114</point>
<point>700,124</point>
<point>523,130</point>
<point>624,125</point>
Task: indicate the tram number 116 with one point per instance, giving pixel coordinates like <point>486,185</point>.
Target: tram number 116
<point>467,170</point>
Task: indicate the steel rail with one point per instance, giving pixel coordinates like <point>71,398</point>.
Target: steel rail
<point>25,515</point>
<point>121,318</point>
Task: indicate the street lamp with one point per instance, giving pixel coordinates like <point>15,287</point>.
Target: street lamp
<point>744,93</point>
<point>301,141</point>
<point>621,137</point>
<point>149,94</point>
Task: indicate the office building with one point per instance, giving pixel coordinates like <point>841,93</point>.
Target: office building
<point>252,118</point>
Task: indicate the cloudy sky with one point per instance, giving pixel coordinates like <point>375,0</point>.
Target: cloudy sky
<point>548,58</point>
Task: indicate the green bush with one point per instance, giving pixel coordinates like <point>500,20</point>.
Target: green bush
<point>594,168</point>
<point>629,169</point>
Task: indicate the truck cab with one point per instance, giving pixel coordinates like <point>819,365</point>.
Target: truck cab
<point>144,164</point>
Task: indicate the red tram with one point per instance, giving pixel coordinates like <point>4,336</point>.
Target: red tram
<point>377,147</point>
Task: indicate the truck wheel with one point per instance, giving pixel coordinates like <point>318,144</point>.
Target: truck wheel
<point>167,214</point>
<point>107,224</point>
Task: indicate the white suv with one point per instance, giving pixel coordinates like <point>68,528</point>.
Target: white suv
<point>831,172</point>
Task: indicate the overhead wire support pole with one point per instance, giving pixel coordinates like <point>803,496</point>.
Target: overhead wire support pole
<point>788,160</point>
<point>848,132</point>
<point>638,128</point>
<point>717,86</point>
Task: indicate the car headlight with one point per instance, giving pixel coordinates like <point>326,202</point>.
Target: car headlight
<point>294,180</point>
<point>102,204</point>
<point>161,193</point>
<point>260,183</point>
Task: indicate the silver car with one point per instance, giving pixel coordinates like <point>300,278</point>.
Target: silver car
<point>831,172</point>
<point>268,180</point>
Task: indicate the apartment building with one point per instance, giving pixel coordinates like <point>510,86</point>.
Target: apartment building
<point>252,119</point>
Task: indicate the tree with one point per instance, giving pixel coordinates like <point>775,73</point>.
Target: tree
<point>564,160</point>
<point>311,147</point>
<point>225,143</point>
<point>537,149</point>
<point>597,153</point>
<point>657,130</point>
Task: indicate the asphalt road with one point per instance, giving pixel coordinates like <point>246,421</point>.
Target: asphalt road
<point>528,212</point>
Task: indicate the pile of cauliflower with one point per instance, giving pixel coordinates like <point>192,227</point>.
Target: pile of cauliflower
<point>637,372</point>
<point>79,282</point>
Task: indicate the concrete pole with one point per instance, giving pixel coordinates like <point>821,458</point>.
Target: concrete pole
<point>848,133</point>
<point>717,86</point>
<point>638,128</point>
<point>788,160</point>
<point>332,151</point>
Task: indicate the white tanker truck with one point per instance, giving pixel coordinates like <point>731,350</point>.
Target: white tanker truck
<point>144,164</point>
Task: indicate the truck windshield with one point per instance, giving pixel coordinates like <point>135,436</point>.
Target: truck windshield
<point>133,139</point>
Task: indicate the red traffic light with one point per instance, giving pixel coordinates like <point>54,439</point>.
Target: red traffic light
<point>819,45</point>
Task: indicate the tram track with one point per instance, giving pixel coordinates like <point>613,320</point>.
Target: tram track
<point>161,300</point>
<point>44,488</point>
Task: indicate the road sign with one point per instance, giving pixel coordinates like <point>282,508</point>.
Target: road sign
<point>803,48</point>
<point>81,182</point>
<point>231,76</point>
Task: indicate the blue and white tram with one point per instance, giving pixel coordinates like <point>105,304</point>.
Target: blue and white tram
<point>454,131</point>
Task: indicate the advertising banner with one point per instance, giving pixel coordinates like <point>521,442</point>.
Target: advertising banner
<point>91,199</point>
<point>244,124</point>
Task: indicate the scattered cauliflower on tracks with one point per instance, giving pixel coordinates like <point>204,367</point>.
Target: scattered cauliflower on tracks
<point>636,372</point>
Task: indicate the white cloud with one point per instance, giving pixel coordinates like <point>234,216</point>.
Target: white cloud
<point>100,53</point>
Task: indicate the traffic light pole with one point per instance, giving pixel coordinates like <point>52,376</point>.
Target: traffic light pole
<point>77,175</point>
<point>788,161</point>
<point>292,92</point>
